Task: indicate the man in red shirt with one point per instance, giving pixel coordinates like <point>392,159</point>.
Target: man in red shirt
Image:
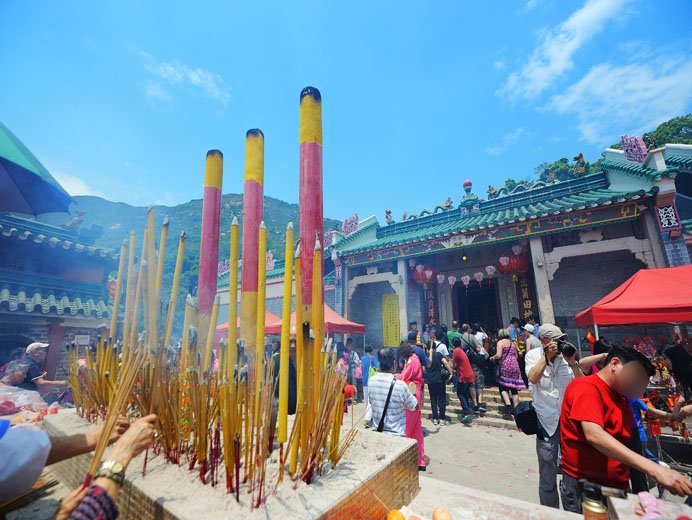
<point>462,367</point>
<point>596,424</point>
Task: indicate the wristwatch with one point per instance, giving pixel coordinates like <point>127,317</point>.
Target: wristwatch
<point>113,470</point>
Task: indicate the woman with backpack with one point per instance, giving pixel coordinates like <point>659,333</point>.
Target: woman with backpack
<point>509,379</point>
<point>437,376</point>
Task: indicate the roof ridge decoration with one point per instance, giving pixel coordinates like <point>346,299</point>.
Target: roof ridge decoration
<point>520,187</point>
<point>637,170</point>
<point>54,241</point>
<point>570,209</point>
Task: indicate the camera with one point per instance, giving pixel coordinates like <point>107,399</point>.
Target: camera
<point>565,348</point>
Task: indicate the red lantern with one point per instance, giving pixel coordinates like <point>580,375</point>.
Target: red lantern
<point>466,280</point>
<point>513,265</point>
<point>479,277</point>
<point>440,278</point>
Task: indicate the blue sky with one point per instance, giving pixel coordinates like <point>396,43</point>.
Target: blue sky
<point>123,99</point>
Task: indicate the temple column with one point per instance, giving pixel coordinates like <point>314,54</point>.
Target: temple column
<point>403,295</point>
<point>56,336</point>
<point>540,275</point>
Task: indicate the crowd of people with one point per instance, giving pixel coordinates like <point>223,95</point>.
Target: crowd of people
<point>588,411</point>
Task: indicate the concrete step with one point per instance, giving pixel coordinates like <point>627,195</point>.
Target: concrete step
<point>453,403</point>
<point>487,421</point>
<point>492,395</point>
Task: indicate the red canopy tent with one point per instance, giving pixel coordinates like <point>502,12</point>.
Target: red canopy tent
<point>221,331</point>
<point>333,324</point>
<point>649,296</point>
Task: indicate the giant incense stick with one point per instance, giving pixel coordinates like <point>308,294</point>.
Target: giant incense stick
<point>253,210</point>
<point>209,242</point>
<point>118,289</point>
<point>285,335</point>
<point>174,290</point>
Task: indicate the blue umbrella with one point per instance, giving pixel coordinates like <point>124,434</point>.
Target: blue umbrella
<point>25,184</point>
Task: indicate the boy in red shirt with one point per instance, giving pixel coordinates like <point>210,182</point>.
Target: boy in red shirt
<point>596,424</point>
<point>462,366</point>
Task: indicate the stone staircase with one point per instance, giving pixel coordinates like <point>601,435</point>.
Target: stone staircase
<point>491,396</point>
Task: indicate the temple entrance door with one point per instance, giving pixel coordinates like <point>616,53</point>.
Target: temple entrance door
<point>478,304</point>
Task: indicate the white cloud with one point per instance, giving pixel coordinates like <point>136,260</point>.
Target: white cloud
<point>74,185</point>
<point>155,91</point>
<point>180,74</point>
<point>611,100</point>
<point>506,142</point>
<point>499,65</point>
<point>553,57</point>
<point>530,4</point>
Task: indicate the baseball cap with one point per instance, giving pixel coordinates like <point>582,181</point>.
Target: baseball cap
<point>529,328</point>
<point>550,331</point>
<point>34,346</point>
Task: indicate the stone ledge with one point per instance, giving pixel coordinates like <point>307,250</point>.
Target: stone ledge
<point>374,464</point>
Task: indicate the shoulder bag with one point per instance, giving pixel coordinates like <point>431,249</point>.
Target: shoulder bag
<point>380,426</point>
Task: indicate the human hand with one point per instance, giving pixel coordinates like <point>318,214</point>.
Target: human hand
<point>551,351</point>
<point>138,437</point>
<point>121,425</point>
<point>70,503</point>
<point>673,481</point>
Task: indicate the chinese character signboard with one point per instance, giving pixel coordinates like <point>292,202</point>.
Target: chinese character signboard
<point>350,225</point>
<point>667,217</point>
<point>634,147</point>
<point>526,296</point>
<point>390,320</point>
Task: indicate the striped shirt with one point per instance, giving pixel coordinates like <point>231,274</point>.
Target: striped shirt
<point>402,399</point>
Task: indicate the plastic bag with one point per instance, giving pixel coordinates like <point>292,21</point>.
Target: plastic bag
<point>22,399</point>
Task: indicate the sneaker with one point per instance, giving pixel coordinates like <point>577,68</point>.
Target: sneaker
<point>483,406</point>
<point>468,419</point>
<point>366,424</point>
<point>476,409</point>
<point>422,468</point>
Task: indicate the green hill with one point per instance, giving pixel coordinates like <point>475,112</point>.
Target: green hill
<point>117,219</point>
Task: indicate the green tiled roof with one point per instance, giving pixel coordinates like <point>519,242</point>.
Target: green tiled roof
<point>679,161</point>
<point>587,192</point>
<point>687,226</point>
<point>329,278</point>
<point>637,170</point>
<point>52,236</point>
<point>277,272</point>
<point>35,301</point>
<point>352,236</point>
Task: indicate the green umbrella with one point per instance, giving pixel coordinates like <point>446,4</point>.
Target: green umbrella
<point>25,184</point>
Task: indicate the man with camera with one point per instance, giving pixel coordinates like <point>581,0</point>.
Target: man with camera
<point>550,369</point>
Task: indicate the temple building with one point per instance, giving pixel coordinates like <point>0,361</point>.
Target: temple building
<point>53,281</point>
<point>545,249</point>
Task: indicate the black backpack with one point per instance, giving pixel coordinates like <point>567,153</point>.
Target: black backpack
<point>526,418</point>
